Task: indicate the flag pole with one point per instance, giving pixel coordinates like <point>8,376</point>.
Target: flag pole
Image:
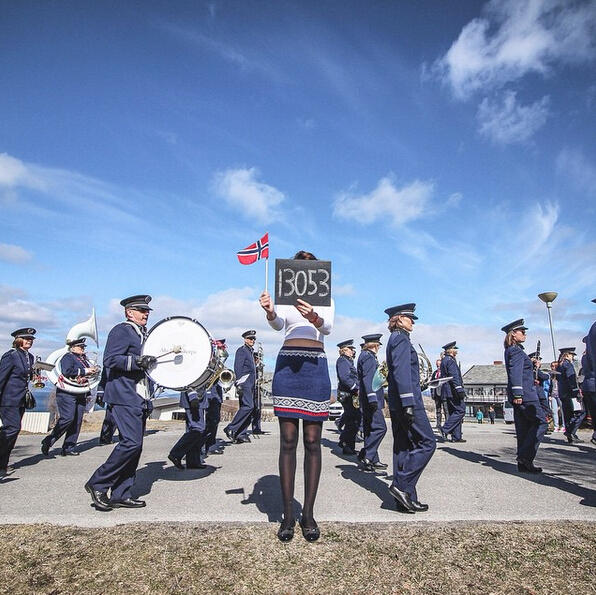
<point>266,273</point>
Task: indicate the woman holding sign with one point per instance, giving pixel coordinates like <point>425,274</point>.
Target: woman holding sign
<point>301,390</point>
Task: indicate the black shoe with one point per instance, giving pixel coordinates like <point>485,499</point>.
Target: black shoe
<point>259,432</point>
<point>45,445</point>
<point>569,438</point>
<point>402,499</point>
<point>418,506</point>
<point>104,442</point>
<point>443,433</point>
<point>367,466</point>
<point>360,455</point>
<point>100,499</point>
<point>285,532</point>
<point>242,440</point>
<point>348,450</point>
<point>527,467</point>
<point>128,503</point>
<point>310,533</point>
<point>576,438</point>
<point>231,436</point>
<point>379,465</point>
<point>70,453</point>
<point>458,440</point>
<point>198,466</point>
<point>176,461</point>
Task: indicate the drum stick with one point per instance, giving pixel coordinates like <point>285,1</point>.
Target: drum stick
<point>175,349</point>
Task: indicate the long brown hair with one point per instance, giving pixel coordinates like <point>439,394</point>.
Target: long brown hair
<point>18,343</point>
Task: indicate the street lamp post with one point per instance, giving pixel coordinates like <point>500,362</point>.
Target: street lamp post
<point>548,297</point>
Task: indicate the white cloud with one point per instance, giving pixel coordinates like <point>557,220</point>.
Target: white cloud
<point>14,254</point>
<point>241,190</point>
<point>386,202</point>
<point>573,164</point>
<point>517,37</point>
<point>510,122</point>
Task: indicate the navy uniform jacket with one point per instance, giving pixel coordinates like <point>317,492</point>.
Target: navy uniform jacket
<point>454,389</point>
<point>591,354</point>
<point>15,373</point>
<point>244,363</point>
<point>215,393</point>
<point>367,366</point>
<point>403,372</point>
<point>72,366</point>
<point>520,375</point>
<point>567,380</point>
<point>542,377</point>
<point>123,346</point>
<point>589,383</point>
<point>347,376</point>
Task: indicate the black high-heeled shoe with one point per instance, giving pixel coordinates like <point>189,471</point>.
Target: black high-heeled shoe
<point>310,533</point>
<point>285,532</point>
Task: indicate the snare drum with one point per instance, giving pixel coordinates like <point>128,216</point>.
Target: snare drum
<point>186,354</point>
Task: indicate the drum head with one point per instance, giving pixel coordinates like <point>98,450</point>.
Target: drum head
<point>183,349</point>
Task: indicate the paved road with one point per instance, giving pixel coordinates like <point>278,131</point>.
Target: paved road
<point>472,481</point>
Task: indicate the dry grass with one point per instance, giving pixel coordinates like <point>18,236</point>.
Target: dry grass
<point>350,558</point>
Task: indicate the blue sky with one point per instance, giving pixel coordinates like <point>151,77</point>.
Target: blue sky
<point>435,152</point>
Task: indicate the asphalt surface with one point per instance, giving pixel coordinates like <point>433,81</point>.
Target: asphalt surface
<point>476,480</point>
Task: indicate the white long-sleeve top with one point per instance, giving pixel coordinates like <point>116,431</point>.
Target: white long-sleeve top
<point>297,327</point>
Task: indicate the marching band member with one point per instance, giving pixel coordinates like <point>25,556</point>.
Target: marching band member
<point>244,366</point>
<point>190,443</point>
<point>71,406</point>
<point>453,393</point>
<point>256,413</point>
<point>371,405</point>
<point>440,405</point>
<point>347,388</point>
<point>539,378</point>
<point>301,390</point>
<point>589,385</point>
<point>528,414</point>
<point>16,370</point>
<point>413,440</point>
<point>127,390</point>
<point>569,394</point>
<point>214,398</point>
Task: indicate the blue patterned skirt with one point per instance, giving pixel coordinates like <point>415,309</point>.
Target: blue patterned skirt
<point>301,385</point>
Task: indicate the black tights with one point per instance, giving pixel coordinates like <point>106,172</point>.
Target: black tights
<point>287,465</point>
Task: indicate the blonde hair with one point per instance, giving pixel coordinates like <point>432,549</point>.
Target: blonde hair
<point>18,343</point>
<point>509,340</point>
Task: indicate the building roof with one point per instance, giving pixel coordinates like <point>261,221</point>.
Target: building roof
<point>493,374</point>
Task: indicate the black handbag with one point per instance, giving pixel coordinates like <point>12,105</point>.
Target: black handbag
<point>30,402</point>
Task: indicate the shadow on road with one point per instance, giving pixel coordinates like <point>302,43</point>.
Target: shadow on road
<point>266,496</point>
<point>162,470</point>
<point>561,463</point>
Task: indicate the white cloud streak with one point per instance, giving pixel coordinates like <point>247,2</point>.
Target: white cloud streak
<point>574,165</point>
<point>508,121</point>
<point>515,38</point>
<point>386,202</point>
<point>241,189</point>
<point>14,254</point>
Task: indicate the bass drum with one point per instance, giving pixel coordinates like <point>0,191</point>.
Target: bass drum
<point>186,354</point>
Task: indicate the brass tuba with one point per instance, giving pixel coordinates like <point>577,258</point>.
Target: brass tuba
<point>88,328</point>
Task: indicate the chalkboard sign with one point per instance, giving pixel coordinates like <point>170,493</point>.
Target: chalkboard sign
<point>308,280</point>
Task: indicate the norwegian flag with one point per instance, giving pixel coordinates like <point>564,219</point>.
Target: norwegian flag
<point>254,252</point>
